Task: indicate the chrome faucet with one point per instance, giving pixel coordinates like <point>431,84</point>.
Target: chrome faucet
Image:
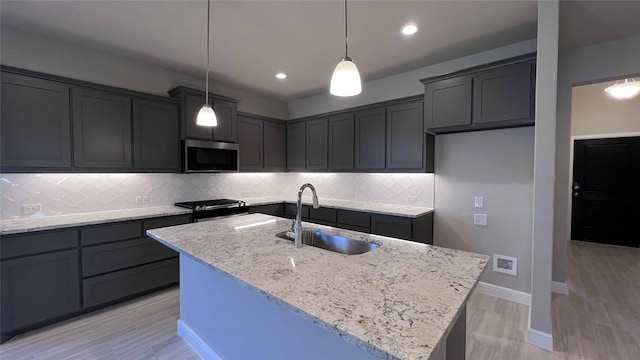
<point>297,227</point>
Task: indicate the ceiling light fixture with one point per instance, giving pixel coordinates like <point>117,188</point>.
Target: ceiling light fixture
<point>281,76</point>
<point>625,90</point>
<point>346,79</point>
<point>206,115</point>
<point>409,29</point>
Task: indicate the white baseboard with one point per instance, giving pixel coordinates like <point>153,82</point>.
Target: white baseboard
<point>540,339</point>
<point>196,343</point>
<point>504,293</point>
<point>559,288</point>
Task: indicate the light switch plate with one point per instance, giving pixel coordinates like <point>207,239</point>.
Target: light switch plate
<point>142,199</point>
<point>480,219</point>
<point>478,202</point>
<point>28,209</point>
<point>505,264</point>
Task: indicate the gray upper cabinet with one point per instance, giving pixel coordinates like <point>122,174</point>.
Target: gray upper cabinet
<point>191,105</point>
<point>227,128</point>
<point>156,136</point>
<point>296,146</point>
<point>317,144</point>
<point>101,129</point>
<point>503,94</point>
<point>405,136</point>
<point>36,124</point>
<point>370,139</point>
<point>250,140</point>
<point>341,142</point>
<point>275,146</point>
<point>447,103</point>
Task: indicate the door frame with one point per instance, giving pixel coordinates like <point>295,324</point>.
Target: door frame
<point>571,156</point>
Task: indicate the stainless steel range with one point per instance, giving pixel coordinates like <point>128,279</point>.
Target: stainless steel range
<point>208,209</point>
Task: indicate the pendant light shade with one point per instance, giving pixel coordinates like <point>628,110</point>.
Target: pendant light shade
<point>346,78</point>
<point>206,115</point>
<point>625,90</point>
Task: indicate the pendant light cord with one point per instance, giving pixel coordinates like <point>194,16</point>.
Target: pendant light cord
<point>346,37</point>
<point>207,75</point>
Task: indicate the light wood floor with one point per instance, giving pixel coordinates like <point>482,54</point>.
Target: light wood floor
<point>598,320</point>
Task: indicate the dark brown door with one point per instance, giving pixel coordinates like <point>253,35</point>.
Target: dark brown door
<point>606,191</point>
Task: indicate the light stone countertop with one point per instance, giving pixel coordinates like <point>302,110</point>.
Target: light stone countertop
<point>16,226</point>
<point>377,208</point>
<point>398,301</point>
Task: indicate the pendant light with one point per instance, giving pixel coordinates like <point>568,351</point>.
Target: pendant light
<point>206,115</point>
<point>346,79</point>
<point>625,90</point>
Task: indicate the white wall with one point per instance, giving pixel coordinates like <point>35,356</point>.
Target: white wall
<point>594,112</point>
<point>53,56</point>
<point>497,165</point>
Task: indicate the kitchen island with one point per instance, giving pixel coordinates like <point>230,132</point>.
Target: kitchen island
<point>247,294</point>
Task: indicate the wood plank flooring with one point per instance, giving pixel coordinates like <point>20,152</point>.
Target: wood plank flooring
<point>598,320</point>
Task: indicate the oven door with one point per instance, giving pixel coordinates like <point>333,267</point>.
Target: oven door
<point>210,156</point>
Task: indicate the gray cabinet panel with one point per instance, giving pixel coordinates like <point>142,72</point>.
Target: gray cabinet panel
<point>101,129</point>
<point>341,142</point>
<point>227,128</point>
<point>405,136</point>
<point>325,215</point>
<point>502,94</point>
<point>165,221</point>
<point>370,138</point>
<point>108,233</point>
<point>275,146</point>
<point>447,102</point>
<point>391,226</point>
<point>29,244</point>
<point>290,211</point>
<point>250,140</point>
<point>156,136</point>
<point>317,144</point>
<point>192,105</point>
<point>354,218</point>
<point>39,288</point>
<point>296,146</point>
<point>36,124</point>
<point>271,209</point>
<point>125,283</point>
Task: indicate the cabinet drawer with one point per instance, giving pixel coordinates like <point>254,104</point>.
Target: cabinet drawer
<point>356,218</point>
<point>21,245</point>
<point>108,233</point>
<point>110,257</point>
<point>166,221</point>
<point>290,211</point>
<point>326,215</point>
<point>391,226</point>
<point>105,288</point>
<point>271,209</point>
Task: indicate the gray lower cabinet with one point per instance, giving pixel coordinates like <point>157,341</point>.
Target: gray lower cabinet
<point>405,136</point>
<point>296,146</point>
<point>101,129</point>
<point>447,103</point>
<point>270,209</point>
<point>36,123</point>
<point>317,144</point>
<point>227,128</point>
<point>341,142</point>
<point>275,146</point>
<point>419,229</point>
<point>370,139</point>
<point>250,141</point>
<point>354,220</point>
<point>323,215</point>
<point>156,136</point>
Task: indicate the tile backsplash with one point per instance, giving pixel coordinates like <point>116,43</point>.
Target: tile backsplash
<point>61,194</point>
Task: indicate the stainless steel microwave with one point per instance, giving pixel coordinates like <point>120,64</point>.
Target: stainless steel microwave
<point>209,156</point>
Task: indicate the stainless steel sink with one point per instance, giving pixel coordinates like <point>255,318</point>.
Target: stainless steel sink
<point>331,242</point>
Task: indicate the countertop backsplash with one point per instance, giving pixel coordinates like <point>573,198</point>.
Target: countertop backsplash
<point>62,194</point>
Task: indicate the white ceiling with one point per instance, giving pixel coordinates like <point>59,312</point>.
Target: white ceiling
<point>253,40</point>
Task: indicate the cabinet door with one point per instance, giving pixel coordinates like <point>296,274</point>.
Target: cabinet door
<point>227,128</point>
<point>39,288</point>
<point>405,136</point>
<point>503,94</point>
<point>392,226</point>
<point>156,136</point>
<point>447,103</point>
<point>250,135</point>
<point>341,140</point>
<point>317,144</point>
<point>101,129</point>
<point>296,146</point>
<point>271,209</point>
<point>275,146</point>
<point>36,126</point>
<point>192,105</point>
<point>370,126</point>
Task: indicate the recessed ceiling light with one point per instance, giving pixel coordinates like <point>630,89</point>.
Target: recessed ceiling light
<point>281,76</point>
<point>409,29</point>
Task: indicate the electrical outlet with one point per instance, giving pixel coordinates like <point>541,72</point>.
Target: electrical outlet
<point>505,264</point>
<point>480,219</point>
<point>412,199</point>
<point>142,199</point>
<point>28,209</point>
<point>478,202</point>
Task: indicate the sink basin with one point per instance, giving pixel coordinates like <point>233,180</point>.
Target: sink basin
<point>331,242</point>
